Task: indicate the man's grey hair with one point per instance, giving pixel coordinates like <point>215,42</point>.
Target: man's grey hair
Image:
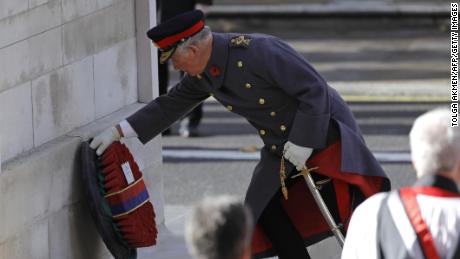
<point>435,145</point>
<point>219,228</point>
<point>197,39</point>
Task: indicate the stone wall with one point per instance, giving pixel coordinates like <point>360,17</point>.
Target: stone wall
<point>64,64</point>
<point>69,69</point>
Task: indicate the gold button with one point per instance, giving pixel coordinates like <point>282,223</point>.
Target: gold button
<point>262,132</point>
<point>248,85</point>
<point>273,147</point>
<point>283,128</point>
<point>273,114</point>
<point>239,64</point>
<point>229,107</point>
<point>261,101</point>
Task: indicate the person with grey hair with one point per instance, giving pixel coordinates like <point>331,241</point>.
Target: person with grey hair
<point>422,221</point>
<point>219,228</point>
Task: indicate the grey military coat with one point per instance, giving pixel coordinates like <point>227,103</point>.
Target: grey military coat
<point>279,93</point>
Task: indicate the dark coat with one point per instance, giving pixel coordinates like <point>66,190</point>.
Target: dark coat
<point>264,80</point>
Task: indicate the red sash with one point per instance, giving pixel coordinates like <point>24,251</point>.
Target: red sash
<point>409,199</point>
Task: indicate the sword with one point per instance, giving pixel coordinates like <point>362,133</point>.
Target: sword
<point>314,189</point>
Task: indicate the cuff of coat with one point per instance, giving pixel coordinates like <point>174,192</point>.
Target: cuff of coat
<point>128,131</point>
<point>310,130</point>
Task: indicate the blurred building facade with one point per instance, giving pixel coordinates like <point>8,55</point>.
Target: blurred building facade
<point>218,2</point>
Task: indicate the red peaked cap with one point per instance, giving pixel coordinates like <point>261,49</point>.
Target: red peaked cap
<point>169,34</point>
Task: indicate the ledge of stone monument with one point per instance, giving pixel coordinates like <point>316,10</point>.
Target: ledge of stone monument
<point>84,133</point>
<point>146,155</point>
<point>43,181</point>
<point>88,131</point>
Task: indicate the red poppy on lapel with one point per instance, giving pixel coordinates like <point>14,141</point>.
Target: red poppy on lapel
<point>214,71</point>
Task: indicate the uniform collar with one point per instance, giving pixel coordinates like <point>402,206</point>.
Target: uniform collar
<point>217,64</point>
<point>437,181</point>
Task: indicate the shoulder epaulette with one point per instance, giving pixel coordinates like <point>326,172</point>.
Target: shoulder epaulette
<point>240,41</point>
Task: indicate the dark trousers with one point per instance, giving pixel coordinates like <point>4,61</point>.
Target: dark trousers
<point>195,116</point>
<point>286,240</point>
<point>281,232</point>
<point>163,77</point>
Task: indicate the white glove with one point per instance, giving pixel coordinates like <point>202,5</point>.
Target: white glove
<point>104,139</point>
<point>297,155</point>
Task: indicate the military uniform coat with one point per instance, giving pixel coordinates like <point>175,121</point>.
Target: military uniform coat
<point>279,93</point>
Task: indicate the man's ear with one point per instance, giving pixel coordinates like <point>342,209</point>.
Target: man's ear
<point>456,175</point>
<point>247,252</point>
<point>193,49</point>
<point>413,164</point>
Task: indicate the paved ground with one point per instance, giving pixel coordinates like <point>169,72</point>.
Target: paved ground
<point>388,76</point>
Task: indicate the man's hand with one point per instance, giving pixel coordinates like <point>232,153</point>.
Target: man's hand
<point>297,155</point>
<point>104,139</point>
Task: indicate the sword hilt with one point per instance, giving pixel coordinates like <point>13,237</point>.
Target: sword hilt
<point>305,171</point>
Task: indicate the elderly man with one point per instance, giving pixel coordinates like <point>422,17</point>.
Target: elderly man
<point>298,116</point>
<point>422,221</point>
<point>219,228</point>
